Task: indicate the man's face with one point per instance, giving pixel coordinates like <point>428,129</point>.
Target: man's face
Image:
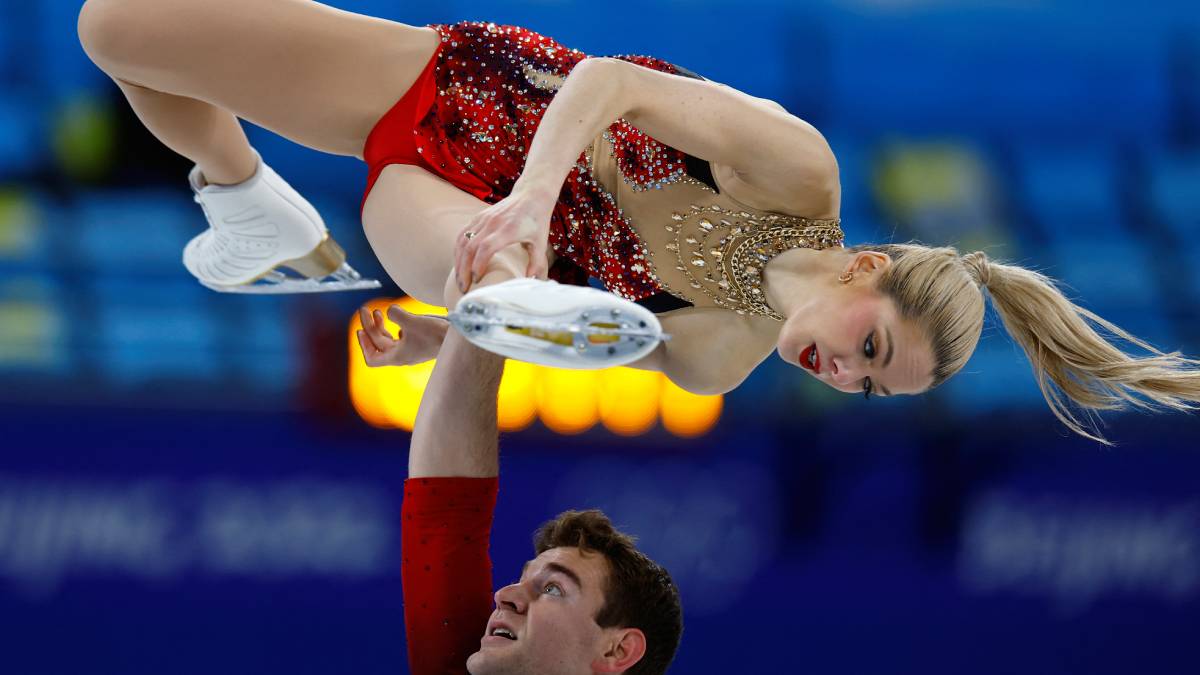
<point>551,612</point>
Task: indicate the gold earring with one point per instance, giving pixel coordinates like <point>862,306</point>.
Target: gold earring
<point>846,277</point>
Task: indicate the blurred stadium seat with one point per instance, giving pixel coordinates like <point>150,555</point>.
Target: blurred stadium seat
<point>997,377</point>
<point>25,234</point>
<point>1174,191</point>
<point>893,71</point>
<point>138,233</point>
<point>156,331</point>
<point>34,328</point>
<point>22,141</point>
<point>261,343</point>
<point>1174,183</point>
<point>1075,195</point>
<point>1072,190</point>
<point>860,219</point>
<point>940,192</point>
<point>53,50</point>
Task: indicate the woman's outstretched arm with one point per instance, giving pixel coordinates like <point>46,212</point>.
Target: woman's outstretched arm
<point>779,155</point>
<point>708,353</point>
<point>759,140</point>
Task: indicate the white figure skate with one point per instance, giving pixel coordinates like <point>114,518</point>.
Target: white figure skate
<point>259,226</point>
<point>557,325</point>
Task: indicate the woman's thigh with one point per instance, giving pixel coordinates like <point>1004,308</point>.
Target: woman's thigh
<point>314,74</point>
<point>412,218</point>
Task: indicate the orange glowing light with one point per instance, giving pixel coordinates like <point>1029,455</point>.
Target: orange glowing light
<point>686,414</point>
<point>516,408</point>
<point>567,400</point>
<point>625,400</point>
<point>629,400</point>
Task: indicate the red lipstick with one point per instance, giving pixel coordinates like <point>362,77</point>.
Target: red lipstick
<point>811,351</point>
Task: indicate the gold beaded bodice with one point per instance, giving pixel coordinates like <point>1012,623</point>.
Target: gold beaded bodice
<point>701,245</point>
<point>723,252</point>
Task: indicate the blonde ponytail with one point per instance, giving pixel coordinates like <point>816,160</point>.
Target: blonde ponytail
<point>1071,358</point>
<point>1074,365</point>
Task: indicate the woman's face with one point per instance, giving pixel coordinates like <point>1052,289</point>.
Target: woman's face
<point>850,337</point>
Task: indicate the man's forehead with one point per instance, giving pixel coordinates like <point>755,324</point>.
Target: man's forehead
<point>584,564</point>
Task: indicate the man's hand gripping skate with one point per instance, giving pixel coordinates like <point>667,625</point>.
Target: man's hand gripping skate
<point>420,337</point>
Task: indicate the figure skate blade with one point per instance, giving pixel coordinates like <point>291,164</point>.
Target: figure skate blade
<point>275,282</point>
<point>556,325</point>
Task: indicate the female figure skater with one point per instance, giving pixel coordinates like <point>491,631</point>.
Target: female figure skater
<point>494,154</point>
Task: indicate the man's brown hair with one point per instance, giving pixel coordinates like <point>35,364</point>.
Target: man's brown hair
<point>638,592</point>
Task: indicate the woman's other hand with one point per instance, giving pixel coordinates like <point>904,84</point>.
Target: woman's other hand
<point>420,337</point>
<point>521,218</point>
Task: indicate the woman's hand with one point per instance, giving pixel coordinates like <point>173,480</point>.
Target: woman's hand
<point>420,337</point>
<point>521,218</point>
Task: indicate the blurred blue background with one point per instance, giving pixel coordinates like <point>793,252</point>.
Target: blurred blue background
<point>184,487</point>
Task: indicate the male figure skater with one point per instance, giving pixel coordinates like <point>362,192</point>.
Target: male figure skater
<point>589,602</point>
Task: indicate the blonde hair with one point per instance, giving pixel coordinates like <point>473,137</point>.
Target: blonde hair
<point>1074,365</point>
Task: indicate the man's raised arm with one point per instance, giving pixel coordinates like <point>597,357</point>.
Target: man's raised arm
<point>449,499</point>
<point>455,433</point>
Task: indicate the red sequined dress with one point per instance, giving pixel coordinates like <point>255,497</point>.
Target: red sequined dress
<point>488,87</point>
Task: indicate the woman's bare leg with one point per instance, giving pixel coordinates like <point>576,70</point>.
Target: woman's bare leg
<point>209,136</point>
<point>316,75</point>
<point>412,219</point>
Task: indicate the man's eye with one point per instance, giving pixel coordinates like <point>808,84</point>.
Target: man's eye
<point>869,346</point>
<point>552,589</point>
<point>867,388</point>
